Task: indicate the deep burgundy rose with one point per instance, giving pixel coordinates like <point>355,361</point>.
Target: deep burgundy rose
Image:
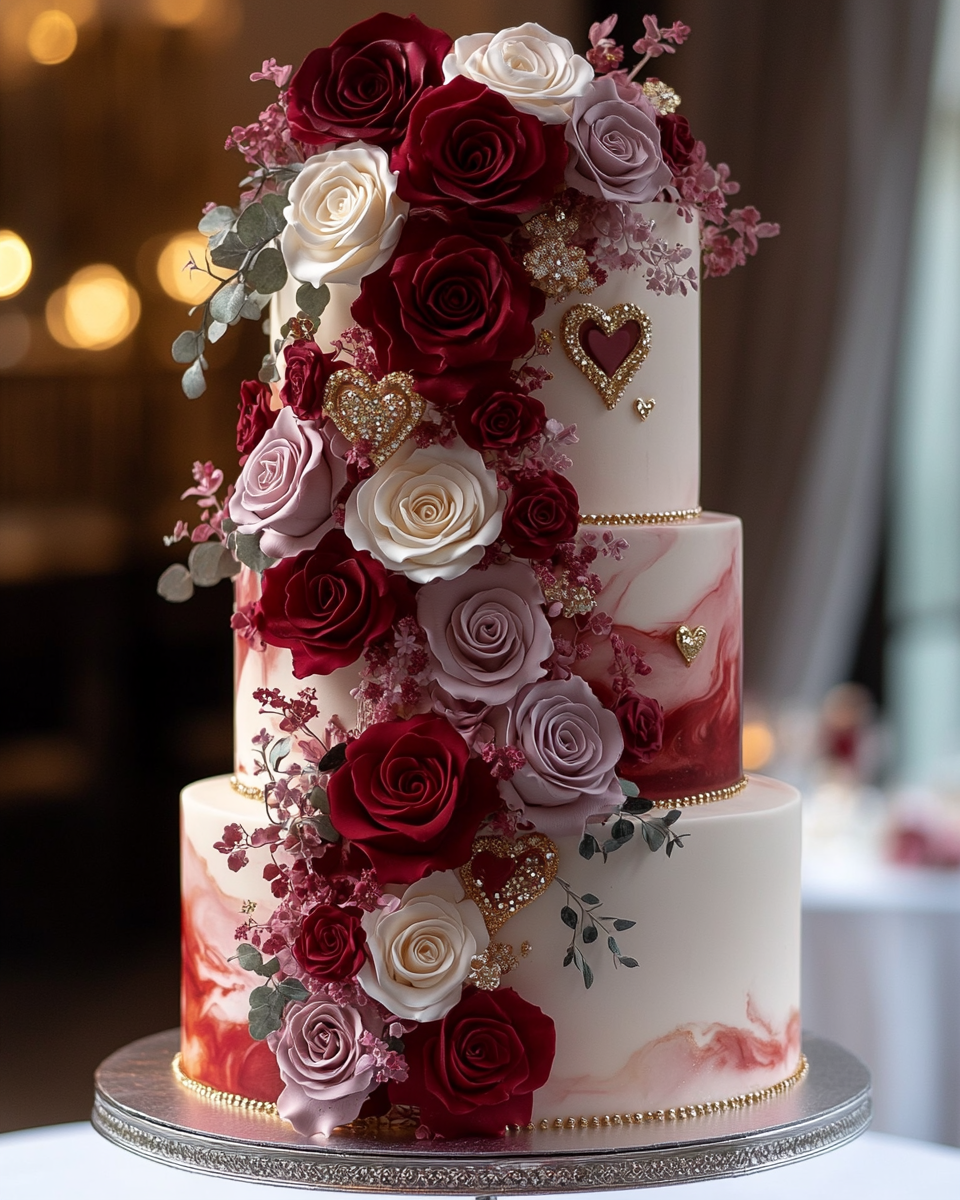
<point>330,945</point>
<point>307,370</point>
<point>501,420</point>
<point>476,1071</point>
<point>541,513</point>
<point>452,300</point>
<point>363,85</point>
<point>327,604</point>
<point>641,722</point>
<point>256,415</point>
<point>466,144</point>
<point>411,797</point>
<point>677,143</point>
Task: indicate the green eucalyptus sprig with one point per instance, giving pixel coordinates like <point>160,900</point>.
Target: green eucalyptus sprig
<point>584,919</point>
<point>655,831</point>
<point>268,1001</point>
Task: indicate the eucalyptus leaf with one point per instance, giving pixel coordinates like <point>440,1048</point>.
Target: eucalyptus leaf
<point>588,846</point>
<point>627,962</point>
<point>187,346</point>
<point>628,788</point>
<point>274,205</point>
<point>268,373</point>
<point>192,381</point>
<point>262,996</point>
<point>335,757</point>
<point>216,330</point>
<point>568,916</point>
<point>227,525</point>
<point>587,972</point>
<point>325,828</point>
<point>313,300</point>
<point>206,562</point>
<point>278,752</point>
<point>264,1021</point>
<point>249,957</point>
<point>612,945</point>
<point>293,989</point>
<point>247,549</point>
<point>673,815</point>
<point>229,252</point>
<point>175,584</point>
<point>637,807</point>
<point>254,226</point>
<point>226,304</point>
<point>652,835</point>
<point>622,830</point>
<point>590,898</point>
<point>568,958</point>
<point>253,306</point>
<point>589,933</point>
<point>270,968</point>
<point>267,273</point>
<point>318,800</point>
<point>620,924</point>
<point>221,217</point>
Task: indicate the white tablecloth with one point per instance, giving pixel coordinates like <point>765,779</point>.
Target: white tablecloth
<point>881,976</point>
<point>71,1162</point>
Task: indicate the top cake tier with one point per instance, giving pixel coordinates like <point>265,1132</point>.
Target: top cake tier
<point>634,457</point>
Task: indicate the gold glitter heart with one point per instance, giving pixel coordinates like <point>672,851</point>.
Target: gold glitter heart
<point>645,408</point>
<point>576,325</point>
<point>382,413</point>
<point>502,877</point>
<point>690,641</point>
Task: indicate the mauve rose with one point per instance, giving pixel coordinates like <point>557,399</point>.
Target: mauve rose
<point>327,604</point>
<point>453,305</point>
<point>468,145</point>
<point>286,488</point>
<point>615,146</point>
<point>468,717</point>
<point>306,371</point>
<point>571,744</point>
<point>330,945</point>
<point>475,1072</point>
<point>500,420</point>
<point>486,633</point>
<point>362,86</point>
<point>410,796</point>
<point>677,143</point>
<point>256,415</point>
<point>326,1071</point>
<point>641,723</point>
<point>541,513</point>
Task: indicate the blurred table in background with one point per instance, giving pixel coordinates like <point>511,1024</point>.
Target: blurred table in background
<point>881,976</point>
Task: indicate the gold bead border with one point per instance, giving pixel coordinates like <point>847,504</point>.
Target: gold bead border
<point>267,1107</point>
<point>648,518</point>
<point>704,797</point>
<point>249,791</point>
<point>685,1112</point>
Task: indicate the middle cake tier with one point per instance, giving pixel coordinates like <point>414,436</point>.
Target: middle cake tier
<point>671,595</point>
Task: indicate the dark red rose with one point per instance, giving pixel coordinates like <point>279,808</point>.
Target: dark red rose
<point>451,301</point>
<point>641,722</point>
<point>677,143</point>
<point>326,605</point>
<point>476,1071</point>
<point>466,144</point>
<point>363,86</point>
<point>256,415</point>
<point>306,371</point>
<point>330,945</point>
<point>502,420</point>
<point>411,797</point>
<point>541,513</point>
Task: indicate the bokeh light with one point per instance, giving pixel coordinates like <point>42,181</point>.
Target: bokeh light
<point>176,13</point>
<point>96,310</point>
<point>180,283</point>
<point>16,263</point>
<point>14,337</point>
<point>758,745</point>
<point>52,37</point>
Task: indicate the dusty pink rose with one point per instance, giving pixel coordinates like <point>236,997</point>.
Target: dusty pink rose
<point>615,146</point>
<point>286,488</point>
<point>486,632</point>
<point>326,1071</point>
<point>571,744</point>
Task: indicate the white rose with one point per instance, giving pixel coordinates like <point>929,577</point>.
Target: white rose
<point>537,71</point>
<point>428,512</point>
<point>419,955</point>
<point>344,216</point>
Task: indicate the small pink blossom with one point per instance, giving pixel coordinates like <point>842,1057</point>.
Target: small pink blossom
<point>270,70</point>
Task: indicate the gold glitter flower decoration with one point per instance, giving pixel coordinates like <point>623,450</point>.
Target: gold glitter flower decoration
<point>661,95</point>
<point>576,601</point>
<point>497,960</point>
<point>553,263</point>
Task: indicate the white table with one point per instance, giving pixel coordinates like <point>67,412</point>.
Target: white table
<point>71,1162</point>
<point>881,976</point>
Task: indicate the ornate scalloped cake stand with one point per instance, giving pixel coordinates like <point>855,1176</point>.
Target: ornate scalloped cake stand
<point>140,1106</point>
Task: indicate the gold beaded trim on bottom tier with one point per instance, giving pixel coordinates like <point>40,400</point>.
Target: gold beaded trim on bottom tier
<point>404,1121</point>
<point>647,518</point>
<point>249,791</point>
<point>704,797</point>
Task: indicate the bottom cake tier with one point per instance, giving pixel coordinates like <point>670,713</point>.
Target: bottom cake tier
<point>709,1012</point>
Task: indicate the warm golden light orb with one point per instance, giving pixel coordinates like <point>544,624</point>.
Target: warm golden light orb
<point>176,13</point>
<point>52,37</point>
<point>16,263</point>
<point>176,279</point>
<point>758,745</point>
<point>96,310</point>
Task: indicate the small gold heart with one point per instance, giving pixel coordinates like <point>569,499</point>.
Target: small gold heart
<point>608,347</point>
<point>645,408</point>
<point>382,413</point>
<point>690,641</point>
<point>503,876</point>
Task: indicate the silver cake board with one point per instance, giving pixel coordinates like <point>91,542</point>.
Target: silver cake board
<point>142,1107</point>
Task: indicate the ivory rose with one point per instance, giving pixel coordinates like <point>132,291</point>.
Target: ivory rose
<point>419,955</point>
<point>487,634</point>
<point>535,69</point>
<point>344,217</point>
<point>429,512</point>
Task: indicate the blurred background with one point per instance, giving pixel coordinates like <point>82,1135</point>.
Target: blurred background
<point>831,424</point>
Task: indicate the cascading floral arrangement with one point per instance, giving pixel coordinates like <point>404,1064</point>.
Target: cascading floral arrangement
<point>403,497</point>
